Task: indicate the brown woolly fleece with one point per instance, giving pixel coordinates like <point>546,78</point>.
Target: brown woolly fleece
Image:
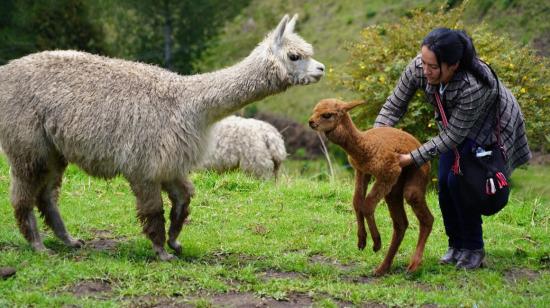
<point>375,152</point>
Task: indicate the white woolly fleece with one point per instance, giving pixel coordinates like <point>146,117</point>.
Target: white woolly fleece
<point>251,145</point>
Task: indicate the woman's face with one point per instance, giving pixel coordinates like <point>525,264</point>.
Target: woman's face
<point>434,73</point>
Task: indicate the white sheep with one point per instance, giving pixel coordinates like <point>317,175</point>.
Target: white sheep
<point>254,146</point>
<point>115,117</point>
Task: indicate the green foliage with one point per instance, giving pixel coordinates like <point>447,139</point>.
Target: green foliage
<point>169,33</point>
<point>29,26</point>
<point>380,56</point>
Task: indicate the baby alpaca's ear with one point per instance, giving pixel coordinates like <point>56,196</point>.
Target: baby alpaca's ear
<point>353,104</point>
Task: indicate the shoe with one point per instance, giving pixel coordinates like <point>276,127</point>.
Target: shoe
<point>451,256</point>
<point>471,259</point>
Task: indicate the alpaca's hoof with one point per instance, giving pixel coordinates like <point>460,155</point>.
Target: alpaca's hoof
<point>377,244</point>
<point>380,271</point>
<point>362,243</point>
<point>75,243</point>
<point>166,256</point>
<point>176,246</point>
<point>413,267</point>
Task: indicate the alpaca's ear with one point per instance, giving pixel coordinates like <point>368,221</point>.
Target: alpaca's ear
<point>353,104</point>
<point>291,24</point>
<point>280,30</point>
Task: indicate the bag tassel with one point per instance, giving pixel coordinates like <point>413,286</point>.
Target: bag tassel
<point>501,179</point>
<point>490,188</point>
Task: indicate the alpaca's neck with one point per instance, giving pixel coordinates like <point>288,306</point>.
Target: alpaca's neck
<point>347,136</point>
<point>225,91</point>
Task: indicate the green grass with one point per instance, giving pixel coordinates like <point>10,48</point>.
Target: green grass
<point>291,239</point>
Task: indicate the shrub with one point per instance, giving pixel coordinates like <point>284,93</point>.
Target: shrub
<point>377,60</point>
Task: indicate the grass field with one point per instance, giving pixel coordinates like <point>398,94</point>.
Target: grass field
<point>290,243</point>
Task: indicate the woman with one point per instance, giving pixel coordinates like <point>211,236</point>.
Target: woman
<point>448,67</point>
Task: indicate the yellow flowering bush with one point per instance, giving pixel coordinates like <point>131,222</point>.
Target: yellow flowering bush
<point>377,60</point>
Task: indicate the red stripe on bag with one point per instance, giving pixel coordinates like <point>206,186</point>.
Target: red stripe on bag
<point>456,164</point>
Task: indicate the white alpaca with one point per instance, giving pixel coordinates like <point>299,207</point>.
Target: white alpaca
<point>254,146</point>
<point>114,117</point>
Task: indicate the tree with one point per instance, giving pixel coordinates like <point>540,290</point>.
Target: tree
<point>169,33</point>
<point>30,26</point>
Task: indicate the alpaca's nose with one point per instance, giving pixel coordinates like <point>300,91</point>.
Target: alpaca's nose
<point>321,68</point>
<point>312,124</point>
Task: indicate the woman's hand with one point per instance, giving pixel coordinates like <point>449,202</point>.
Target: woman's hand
<point>405,160</point>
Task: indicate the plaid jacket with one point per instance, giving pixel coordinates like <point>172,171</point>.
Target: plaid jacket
<point>468,105</point>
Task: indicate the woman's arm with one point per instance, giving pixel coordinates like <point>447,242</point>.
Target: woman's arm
<point>469,108</point>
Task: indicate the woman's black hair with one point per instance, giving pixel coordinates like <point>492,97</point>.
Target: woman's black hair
<point>452,46</point>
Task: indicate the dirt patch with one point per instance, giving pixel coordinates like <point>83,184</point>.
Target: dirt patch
<point>540,158</point>
<point>157,302</point>
<point>360,279</point>
<point>320,259</point>
<point>91,287</point>
<point>250,300</point>
<point>103,240</point>
<point>515,274</point>
<point>103,244</point>
<point>7,272</point>
<point>272,274</point>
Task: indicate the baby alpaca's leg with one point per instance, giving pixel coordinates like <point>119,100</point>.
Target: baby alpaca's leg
<point>400,224</point>
<point>361,184</point>
<point>381,187</point>
<point>416,197</point>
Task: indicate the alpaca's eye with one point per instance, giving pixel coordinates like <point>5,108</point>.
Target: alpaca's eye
<point>293,57</point>
<point>326,115</point>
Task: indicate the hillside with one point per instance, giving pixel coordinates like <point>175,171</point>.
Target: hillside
<point>331,25</point>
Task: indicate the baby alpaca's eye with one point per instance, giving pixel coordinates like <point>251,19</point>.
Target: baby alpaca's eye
<point>326,115</point>
<point>293,57</point>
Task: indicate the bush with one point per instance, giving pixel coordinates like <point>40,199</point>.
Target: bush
<point>383,51</point>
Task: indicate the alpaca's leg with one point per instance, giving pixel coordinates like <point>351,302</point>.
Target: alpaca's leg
<point>416,197</point>
<point>180,193</point>
<point>23,192</point>
<point>358,203</point>
<point>400,224</point>
<point>151,215</point>
<point>380,189</point>
<point>46,201</point>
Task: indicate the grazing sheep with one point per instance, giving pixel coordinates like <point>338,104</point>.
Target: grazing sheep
<point>375,152</point>
<point>251,145</point>
<point>114,117</point>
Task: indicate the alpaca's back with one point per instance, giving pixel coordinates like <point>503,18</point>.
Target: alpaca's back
<point>254,146</point>
<point>109,116</point>
<point>393,139</point>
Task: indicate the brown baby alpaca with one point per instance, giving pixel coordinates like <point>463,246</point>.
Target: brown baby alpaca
<point>375,152</point>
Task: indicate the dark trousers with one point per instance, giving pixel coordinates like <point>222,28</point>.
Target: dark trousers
<point>462,220</point>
